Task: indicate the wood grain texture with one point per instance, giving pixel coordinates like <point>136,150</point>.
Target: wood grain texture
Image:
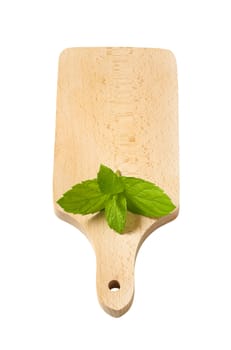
<point>118,107</point>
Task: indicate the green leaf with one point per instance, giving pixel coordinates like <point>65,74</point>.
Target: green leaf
<point>109,182</point>
<point>145,198</point>
<point>83,198</point>
<point>115,212</point>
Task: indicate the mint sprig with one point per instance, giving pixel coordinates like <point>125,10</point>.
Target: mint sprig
<point>116,194</point>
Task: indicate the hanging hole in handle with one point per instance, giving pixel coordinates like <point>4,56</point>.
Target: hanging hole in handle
<point>114,286</point>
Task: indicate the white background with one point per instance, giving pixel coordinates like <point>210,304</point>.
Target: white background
<point>47,268</point>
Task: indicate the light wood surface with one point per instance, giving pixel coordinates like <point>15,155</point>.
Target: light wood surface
<point>118,107</point>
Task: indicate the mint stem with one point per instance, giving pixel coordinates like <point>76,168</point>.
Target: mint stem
<point>118,172</point>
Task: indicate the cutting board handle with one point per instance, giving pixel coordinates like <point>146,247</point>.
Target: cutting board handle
<point>115,275</point>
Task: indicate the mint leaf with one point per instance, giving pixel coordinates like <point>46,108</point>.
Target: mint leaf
<point>115,211</point>
<point>145,198</point>
<point>109,182</point>
<point>83,198</point>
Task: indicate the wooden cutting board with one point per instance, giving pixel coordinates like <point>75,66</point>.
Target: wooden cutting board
<point>118,107</point>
